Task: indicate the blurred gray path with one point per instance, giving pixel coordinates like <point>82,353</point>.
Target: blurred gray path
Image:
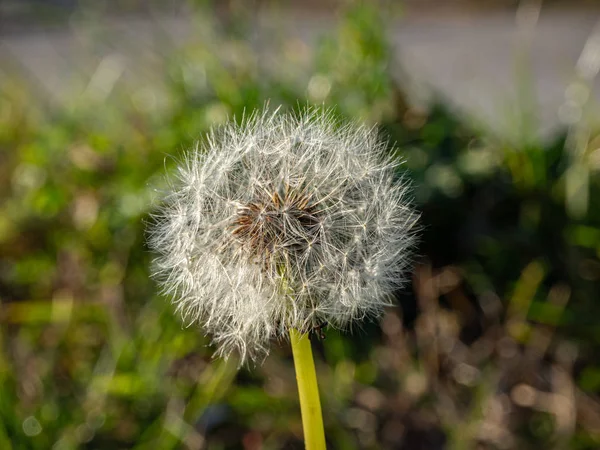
<point>489,66</point>
<point>498,66</point>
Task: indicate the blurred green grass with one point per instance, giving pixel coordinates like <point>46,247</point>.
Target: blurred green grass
<point>493,346</point>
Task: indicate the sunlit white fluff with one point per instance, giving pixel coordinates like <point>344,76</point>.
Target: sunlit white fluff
<point>283,221</point>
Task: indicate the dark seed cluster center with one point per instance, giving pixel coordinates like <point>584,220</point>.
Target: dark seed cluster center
<point>282,223</point>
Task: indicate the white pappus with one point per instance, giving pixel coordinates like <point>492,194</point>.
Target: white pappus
<point>283,221</point>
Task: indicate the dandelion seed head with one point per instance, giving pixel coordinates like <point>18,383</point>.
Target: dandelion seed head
<point>283,221</point>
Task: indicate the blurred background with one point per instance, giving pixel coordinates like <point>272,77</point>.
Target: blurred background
<point>494,106</point>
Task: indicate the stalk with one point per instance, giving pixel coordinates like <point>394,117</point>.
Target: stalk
<point>308,391</point>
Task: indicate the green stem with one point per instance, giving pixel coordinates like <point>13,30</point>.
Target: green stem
<point>308,391</point>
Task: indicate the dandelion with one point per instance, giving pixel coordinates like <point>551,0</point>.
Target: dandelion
<point>280,224</point>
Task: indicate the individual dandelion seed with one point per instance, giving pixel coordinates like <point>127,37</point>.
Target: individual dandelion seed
<point>283,222</point>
